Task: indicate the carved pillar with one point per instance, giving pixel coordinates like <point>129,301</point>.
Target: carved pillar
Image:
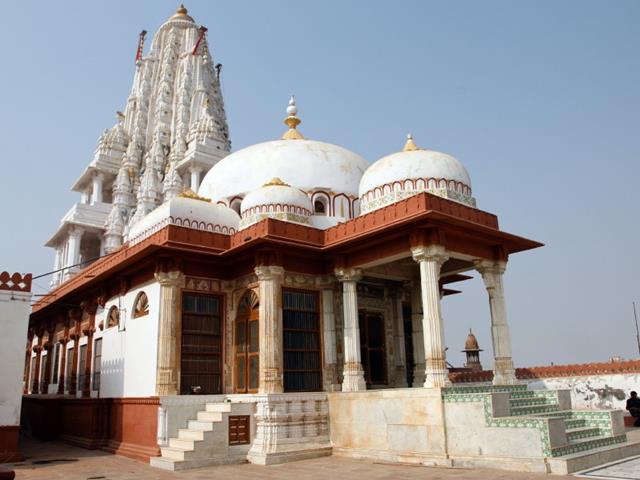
<point>417,336</point>
<point>90,307</point>
<point>96,193</point>
<point>168,328</point>
<point>63,365</point>
<point>430,259</point>
<point>75,315</point>
<point>195,178</point>
<point>270,328</point>
<point>35,385</point>
<point>46,380</point>
<point>400,355</point>
<point>27,367</point>
<point>330,376</point>
<point>353,374</point>
<point>73,249</point>
<point>492,273</point>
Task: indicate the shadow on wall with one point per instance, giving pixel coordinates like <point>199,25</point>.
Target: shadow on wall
<point>112,378</point>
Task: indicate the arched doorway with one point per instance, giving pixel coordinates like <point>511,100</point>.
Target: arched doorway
<point>246,343</point>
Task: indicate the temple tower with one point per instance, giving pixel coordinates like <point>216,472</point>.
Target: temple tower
<point>172,131</point>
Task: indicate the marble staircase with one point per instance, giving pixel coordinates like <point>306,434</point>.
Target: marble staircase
<point>571,440</point>
<point>205,440</point>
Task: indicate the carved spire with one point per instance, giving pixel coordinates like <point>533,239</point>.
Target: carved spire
<point>292,121</point>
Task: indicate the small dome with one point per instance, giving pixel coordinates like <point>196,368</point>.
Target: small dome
<point>471,343</point>
<point>306,164</point>
<point>189,211</point>
<point>412,171</point>
<point>278,200</point>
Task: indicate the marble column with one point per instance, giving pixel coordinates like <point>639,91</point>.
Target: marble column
<point>270,328</point>
<point>353,374</point>
<point>63,365</point>
<point>430,259</point>
<point>35,385</point>
<point>330,374</point>
<point>168,329</point>
<point>492,273</point>
<point>417,336</point>
<point>96,191</point>
<point>195,178</point>
<point>400,356</point>
<point>46,380</point>
<point>73,249</point>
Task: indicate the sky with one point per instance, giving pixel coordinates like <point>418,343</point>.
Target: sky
<point>540,100</point>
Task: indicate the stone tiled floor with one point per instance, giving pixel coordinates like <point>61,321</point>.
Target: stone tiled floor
<point>629,469</point>
<point>57,461</point>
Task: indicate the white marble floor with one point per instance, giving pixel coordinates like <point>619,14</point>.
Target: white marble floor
<point>626,469</point>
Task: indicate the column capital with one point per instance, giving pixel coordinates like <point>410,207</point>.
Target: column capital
<point>98,176</point>
<point>490,266</point>
<point>424,253</point>
<point>76,231</point>
<point>195,168</point>
<point>172,278</point>
<point>269,272</point>
<point>348,274</point>
<point>325,282</point>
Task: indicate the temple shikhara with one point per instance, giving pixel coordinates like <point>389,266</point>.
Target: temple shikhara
<point>281,301</point>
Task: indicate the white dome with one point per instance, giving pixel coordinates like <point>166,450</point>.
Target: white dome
<point>412,171</point>
<point>278,200</point>
<point>186,212</point>
<point>306,164</point>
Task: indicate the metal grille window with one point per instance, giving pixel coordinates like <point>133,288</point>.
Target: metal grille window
<point>301,341</point>
<point>97,364</point>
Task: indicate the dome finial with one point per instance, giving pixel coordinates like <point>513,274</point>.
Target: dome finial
<point>181,10</point>
<point>410,145</point>
<point>292,121</point>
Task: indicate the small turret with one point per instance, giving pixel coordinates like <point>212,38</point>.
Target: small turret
<point>472,350</point>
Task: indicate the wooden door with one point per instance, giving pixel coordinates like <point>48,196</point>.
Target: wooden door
<point>201,353</point>
<point>246,345</point>
<point>372,347</point>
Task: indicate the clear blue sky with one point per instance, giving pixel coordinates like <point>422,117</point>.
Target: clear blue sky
<point>540,100</point>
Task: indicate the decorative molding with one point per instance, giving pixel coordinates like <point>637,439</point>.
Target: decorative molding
<point>16,282</point>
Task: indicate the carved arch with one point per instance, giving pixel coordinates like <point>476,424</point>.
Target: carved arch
<point>113,317</point>
<point>141,305</point>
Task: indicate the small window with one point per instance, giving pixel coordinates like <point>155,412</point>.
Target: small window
<point>113,317</point>
<point>141,305</point>
<point>319,207</point>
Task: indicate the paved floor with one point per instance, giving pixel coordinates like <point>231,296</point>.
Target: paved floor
<point>57,461</point>
<point>628,469</point>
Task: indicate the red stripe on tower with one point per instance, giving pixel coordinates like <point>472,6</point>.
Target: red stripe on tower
<point>202,31</point>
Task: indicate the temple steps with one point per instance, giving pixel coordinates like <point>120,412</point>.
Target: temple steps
<point>205,440</point>
<point>582,432</point>
<point>534,409</point>
<point>576,462</point>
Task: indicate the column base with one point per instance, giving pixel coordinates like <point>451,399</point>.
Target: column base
<point>353,378</point>
<point>503,372</point>
<point>437,374</point>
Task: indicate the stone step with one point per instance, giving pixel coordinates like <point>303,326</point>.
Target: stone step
<point>573,423</point>
<point>182,443</point>
<point>204,426</point>
<point>187,434</point>
<point>528,401</point>
<point>582,432</point>
<point>177,465</point>
<point>535,409</point>
<point>172,453</point>
<point>209,416</point>
<point>218,407</point>
<point>578,462</point>
<point>586,444</point>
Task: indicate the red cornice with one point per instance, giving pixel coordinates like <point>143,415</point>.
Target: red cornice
<point>471,225</point>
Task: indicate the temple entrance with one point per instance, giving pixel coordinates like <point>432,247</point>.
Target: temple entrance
<point>372,347</point>
<point>201,353</point>
<point>246,343</point>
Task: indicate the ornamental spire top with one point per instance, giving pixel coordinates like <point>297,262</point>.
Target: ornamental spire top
<point>410,145</point>
<point>181,14</point>
<point>292,121</point>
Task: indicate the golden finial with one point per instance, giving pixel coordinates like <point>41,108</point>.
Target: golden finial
<point>181,10</point>
<point>292,121</point>
<point>410,145</point>
<point>188,193</point>
<point>276,182</point>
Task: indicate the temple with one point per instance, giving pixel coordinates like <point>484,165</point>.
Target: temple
<point>278,302</point>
